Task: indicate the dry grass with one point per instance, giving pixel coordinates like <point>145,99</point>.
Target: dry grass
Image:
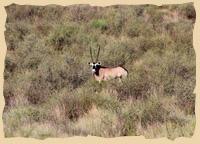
<point>48,87</point>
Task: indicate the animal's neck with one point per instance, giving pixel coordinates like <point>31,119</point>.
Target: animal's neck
<point>97,71</point>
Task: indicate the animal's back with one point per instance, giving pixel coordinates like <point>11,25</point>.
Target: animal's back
<point>109,73</point>
<point>119,71</point>
<point>123,72</point>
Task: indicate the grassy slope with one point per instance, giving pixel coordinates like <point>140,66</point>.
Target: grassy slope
<point>49,90</point>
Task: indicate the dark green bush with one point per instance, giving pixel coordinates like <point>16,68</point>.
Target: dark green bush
<point>100,23</point>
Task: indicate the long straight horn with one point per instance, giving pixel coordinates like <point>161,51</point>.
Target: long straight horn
<point>98,53</point>
<point>91,54</point>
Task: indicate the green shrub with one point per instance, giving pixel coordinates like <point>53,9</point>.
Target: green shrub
<point>100,23</point>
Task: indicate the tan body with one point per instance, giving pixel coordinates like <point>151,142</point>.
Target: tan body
<point>105,74</point>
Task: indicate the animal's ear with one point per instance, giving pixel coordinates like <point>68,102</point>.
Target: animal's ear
<point>90,63</point>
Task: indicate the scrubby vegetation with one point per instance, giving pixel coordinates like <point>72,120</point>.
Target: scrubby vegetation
<point>48,87</point>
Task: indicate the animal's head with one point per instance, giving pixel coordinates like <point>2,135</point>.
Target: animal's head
<point>95,65</point>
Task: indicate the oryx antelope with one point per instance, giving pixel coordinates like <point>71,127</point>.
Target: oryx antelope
<point>102,73</point>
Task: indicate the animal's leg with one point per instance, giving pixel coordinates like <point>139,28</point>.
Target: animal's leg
<point>120,79</point>
<point>123,76</point>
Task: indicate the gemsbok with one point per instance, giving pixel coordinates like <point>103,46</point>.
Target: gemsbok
<point>102,73</point>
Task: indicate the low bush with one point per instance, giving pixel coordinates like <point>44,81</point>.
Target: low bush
<point>129,121</point>
<point>134,87</point>
<point>70,106</point>
<point>107,101</point>
<point>21,116</point>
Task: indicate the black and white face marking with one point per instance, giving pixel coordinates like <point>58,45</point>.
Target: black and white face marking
<point>94,66</point>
